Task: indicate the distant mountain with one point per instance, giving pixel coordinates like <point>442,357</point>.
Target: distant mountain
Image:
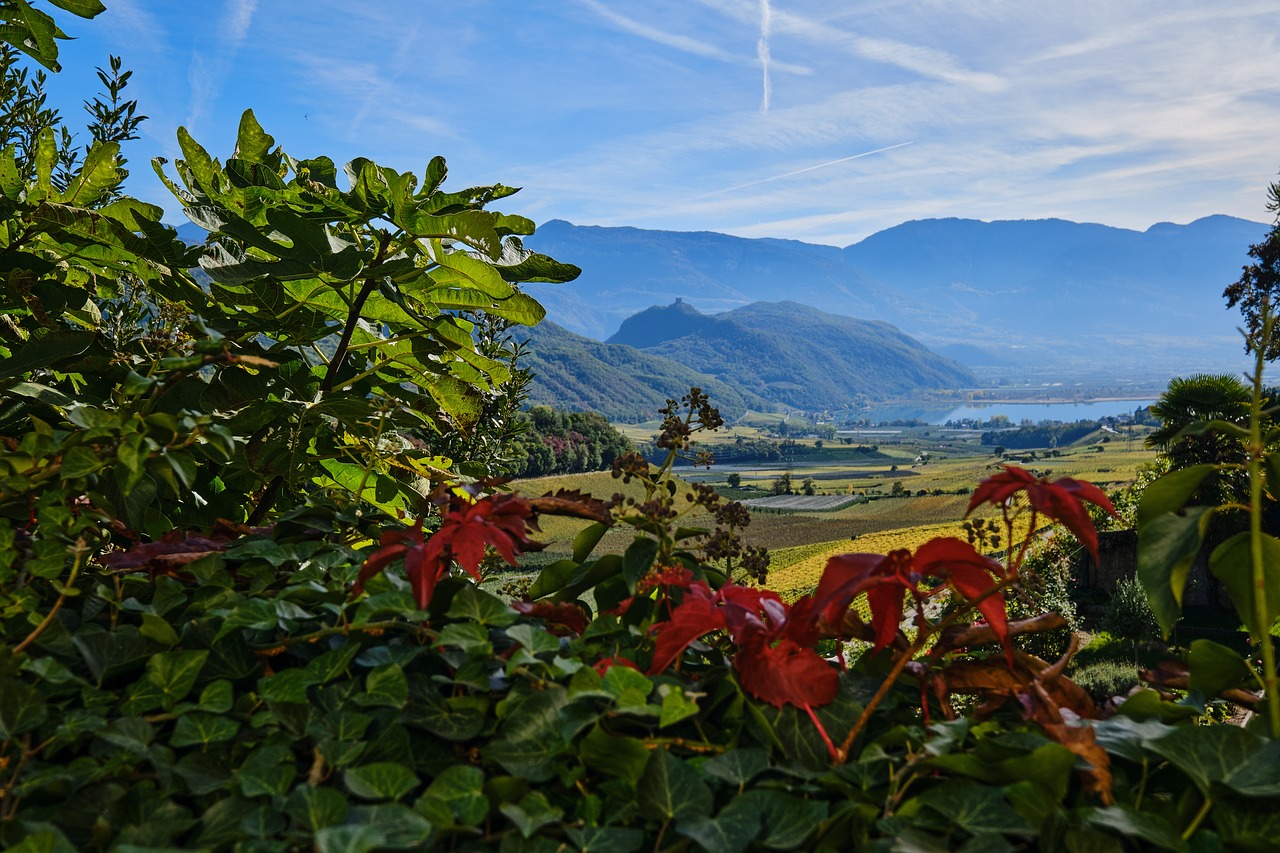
<point>795,355</point>
<point>1032,292</point>
<point>575,373</point>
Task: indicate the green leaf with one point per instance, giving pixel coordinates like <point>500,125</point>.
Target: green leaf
<point>79,462</point>
<point>676,706</point>
<point>289,685</point>
<point>738,766</point>
<point>1144,705</point>
<point>175,673</point>
<point>1215,668</point>
<point>1245,827</point>
<point>1232,563</point>
<point>1144,828</point>
<point>82,8</point>
<point>532,813</point>
<point>267,773</point>
<point>458,718</point>
<point>788,821</point>
<point>530,736</point>
<point>638,561</point>
<point>46,352</point>
<point>474,604</point>
<point>614,755</point>
<point>1260,774</point>
<point>217,697</point>
<point>43,393</point>
<point>22,708</point>
<point>1167,546</point>
<point>729,832</point>
<point>587,539</point>
<point>386,686</point>
<point>385,780</point>
<point>202,729</point>
<point>976,808</point>
<point>468,636</point>
<point>333,663</point>
<point>252,142</point>
<point>670,789</point>
<point>1207,754</point>
<point>536,640</point>
<point>606,839</point>
<point>316,808</point>
<point>461,789</point>
<point>99,174</point>
<point>1171,492</point>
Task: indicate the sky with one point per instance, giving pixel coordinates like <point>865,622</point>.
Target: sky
<point>811,120</point>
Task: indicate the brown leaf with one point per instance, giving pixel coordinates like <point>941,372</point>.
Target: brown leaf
<point>572,503</point>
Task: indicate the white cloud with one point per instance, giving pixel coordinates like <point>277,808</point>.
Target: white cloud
<point>211,64</point>
<point>762,51</point>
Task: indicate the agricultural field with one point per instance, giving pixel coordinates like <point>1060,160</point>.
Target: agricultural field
<point>802,503</point>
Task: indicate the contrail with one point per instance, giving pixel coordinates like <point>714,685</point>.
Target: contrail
<point>762,50</point>
<point>806,169</point>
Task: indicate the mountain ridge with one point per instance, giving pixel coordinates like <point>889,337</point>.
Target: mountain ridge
<point>1031,292</point>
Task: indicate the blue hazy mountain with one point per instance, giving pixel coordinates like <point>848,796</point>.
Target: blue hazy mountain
<point>1032,292</point>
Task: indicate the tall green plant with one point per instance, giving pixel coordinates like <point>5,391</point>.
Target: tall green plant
<point>1171,534</point>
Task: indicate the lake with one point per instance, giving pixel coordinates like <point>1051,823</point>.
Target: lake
<point>1015,412</point>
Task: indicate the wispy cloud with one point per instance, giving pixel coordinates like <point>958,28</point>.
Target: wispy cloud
<point>795,172</point>
<point>679,42</point>
<point>209,68</point>
<point>762,50</point>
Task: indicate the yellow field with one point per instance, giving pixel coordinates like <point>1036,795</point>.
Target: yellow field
<point>805,573</point>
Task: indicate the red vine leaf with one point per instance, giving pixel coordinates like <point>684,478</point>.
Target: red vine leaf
<point>1062,500</point>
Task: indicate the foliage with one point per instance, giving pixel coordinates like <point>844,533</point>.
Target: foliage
<point>552,442</point>
<point>215,635</point>
<point>1200,399</point>
<point>1128,615</point>
<point>1042,435</point>
<point>1259,283</point>
<point>1173,528</point>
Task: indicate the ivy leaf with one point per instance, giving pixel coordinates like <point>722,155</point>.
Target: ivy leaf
<point>976,809</point>
<point>202,729</point>
<point>1207,754</point>
<point>670,789</point>
<point>22,708</point>
<point>385,780</point>
<point>461,789</point>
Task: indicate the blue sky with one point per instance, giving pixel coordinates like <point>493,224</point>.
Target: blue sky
<point>805,119</point>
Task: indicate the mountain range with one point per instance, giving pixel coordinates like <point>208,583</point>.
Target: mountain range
<point>1036,294</point>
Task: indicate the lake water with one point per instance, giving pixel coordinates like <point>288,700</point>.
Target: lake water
<point>1015,412</point>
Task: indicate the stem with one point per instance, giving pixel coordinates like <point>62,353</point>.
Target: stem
<point>922,639</point>
<point>80,550</point>
<point>1198,819</point>
<point>340,354</point>
<point>1260,606</point>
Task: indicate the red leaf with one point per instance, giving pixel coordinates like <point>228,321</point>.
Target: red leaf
<point>1060,500</point>
<point>886,602</point>
<point>885,579</point>
<point>971,574</point>
<point>696,616</point>
<point>375,563</point>
<point>562,617</point>
<point>784,673</point>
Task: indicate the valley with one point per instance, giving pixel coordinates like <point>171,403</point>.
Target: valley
<point>901,485</point>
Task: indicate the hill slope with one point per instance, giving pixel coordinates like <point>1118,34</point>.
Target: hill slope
<point>622,383</point>
<point>793,354</point>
